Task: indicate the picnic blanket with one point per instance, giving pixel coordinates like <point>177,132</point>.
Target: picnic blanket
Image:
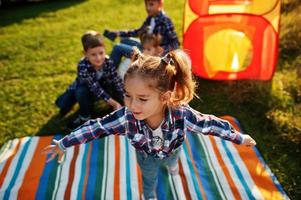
<point>210,168</point>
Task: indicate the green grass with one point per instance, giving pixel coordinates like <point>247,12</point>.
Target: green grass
<point>40,46</point>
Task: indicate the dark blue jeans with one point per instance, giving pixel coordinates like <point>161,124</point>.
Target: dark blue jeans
<point>124,48</point>
<point>85,99</point>
<point>82,95</point>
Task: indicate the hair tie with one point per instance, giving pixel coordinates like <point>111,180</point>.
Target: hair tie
<point>167,59</point>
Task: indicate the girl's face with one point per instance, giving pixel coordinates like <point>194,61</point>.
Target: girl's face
<point>143,101</point>
<point>96,56</point>
<point>149,49</point>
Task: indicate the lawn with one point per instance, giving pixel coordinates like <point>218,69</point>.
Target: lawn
<point>40,46</point>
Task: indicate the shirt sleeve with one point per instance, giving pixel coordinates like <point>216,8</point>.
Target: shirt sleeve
<point>171,41</point>
<point>211,125</point>
<point>133,32</point>
<point>113,123</point>
<point>86,77</point>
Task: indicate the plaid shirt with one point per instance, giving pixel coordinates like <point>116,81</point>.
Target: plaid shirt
<point>163,26</point>
<point>87,75</point>
<point>177,122</point>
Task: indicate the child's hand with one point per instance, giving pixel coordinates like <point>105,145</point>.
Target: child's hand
<point>54,150</point>
<point>248,141</point>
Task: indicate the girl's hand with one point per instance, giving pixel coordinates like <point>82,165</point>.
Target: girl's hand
<point>54,150</point>
<point>248,141</point>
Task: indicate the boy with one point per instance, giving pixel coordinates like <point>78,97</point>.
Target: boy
<point>157,23</point>
<point>96,78</point>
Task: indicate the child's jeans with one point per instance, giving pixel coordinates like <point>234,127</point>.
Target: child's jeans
<point>124,48</point>
<point>85,99</point>
<point>149,167</point>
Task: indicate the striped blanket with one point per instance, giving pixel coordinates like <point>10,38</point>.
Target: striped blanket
<point>210,168</point>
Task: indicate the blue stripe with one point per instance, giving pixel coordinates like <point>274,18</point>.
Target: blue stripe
<point>238,172</point>
<point>82,173</point>
<point>42,188</point>
<point>203,171</point>
<point>93,170</point>
<point>128,172</point>
<point>194,180</point>
<point>17,169</point>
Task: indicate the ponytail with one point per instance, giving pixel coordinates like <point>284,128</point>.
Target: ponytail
<point>169,73</point>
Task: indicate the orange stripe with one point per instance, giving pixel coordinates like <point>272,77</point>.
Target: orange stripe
<point>259,175</point>
<point>35,170</point>
<point>71,173</point>
<point>8,162</point>
<point>87,171</point>
<point>195,170</point>
<point>225,169</point>
<point>139,180</point>
<point>117,168</point>
<point>184,181</point>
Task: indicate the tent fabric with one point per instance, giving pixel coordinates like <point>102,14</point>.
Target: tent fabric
<point>210,168</point>
<point>232,39</point>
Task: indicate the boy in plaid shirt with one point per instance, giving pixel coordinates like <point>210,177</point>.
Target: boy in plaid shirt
<point>157,22</point>
<point>97,78</point>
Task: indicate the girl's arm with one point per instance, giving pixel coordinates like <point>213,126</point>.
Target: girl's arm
<point>113,123</point>
<point>212,125</point>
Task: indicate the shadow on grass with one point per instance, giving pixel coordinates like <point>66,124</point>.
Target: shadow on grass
<point>17,12</point>
<point>58,124</point>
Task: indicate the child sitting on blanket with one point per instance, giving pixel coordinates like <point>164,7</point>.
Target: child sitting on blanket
<point>156,117</point>
<point>158,22</point>
<point>96,78</point>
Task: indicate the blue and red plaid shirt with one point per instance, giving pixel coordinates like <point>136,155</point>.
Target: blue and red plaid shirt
<point>177,122</point>
<point>87,75</point>
<point>163,26</point>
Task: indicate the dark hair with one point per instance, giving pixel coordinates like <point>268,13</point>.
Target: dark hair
<point>92,39</point>
<point>170,73</point>
<point>154,39</point>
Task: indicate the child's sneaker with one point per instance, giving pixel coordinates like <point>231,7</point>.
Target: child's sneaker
<point>174,170</point>
<point>77,122</point>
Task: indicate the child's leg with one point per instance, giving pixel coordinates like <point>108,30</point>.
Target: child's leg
<point>172,162</point>
<point>66,101</point>
<point>131,42</point>
<point>85,98</point>
<point>149,169</point>
<point>120,50</point>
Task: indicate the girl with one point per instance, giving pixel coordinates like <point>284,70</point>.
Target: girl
<point>150,47</point>
<point>156,117</point>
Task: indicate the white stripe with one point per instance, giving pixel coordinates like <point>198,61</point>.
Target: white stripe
<point>104,177</point>
<point>12,167</point>
<point>187,174</point>
<point>231,169</point>
<point>219,172</point>
<point>133,170</point>
<point>122,169</point>
<point>65,172</point>
<point>177,187</point>
<point>111,169</point>
<point>209,159</point>
<point>10,148</point>
<point>77,172</point>
<point>25,164</point>
<point>248,179</point>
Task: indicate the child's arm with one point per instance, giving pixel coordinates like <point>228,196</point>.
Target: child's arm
<point>113,123</point>
<point>114,104</point>
<point>209,124</point>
